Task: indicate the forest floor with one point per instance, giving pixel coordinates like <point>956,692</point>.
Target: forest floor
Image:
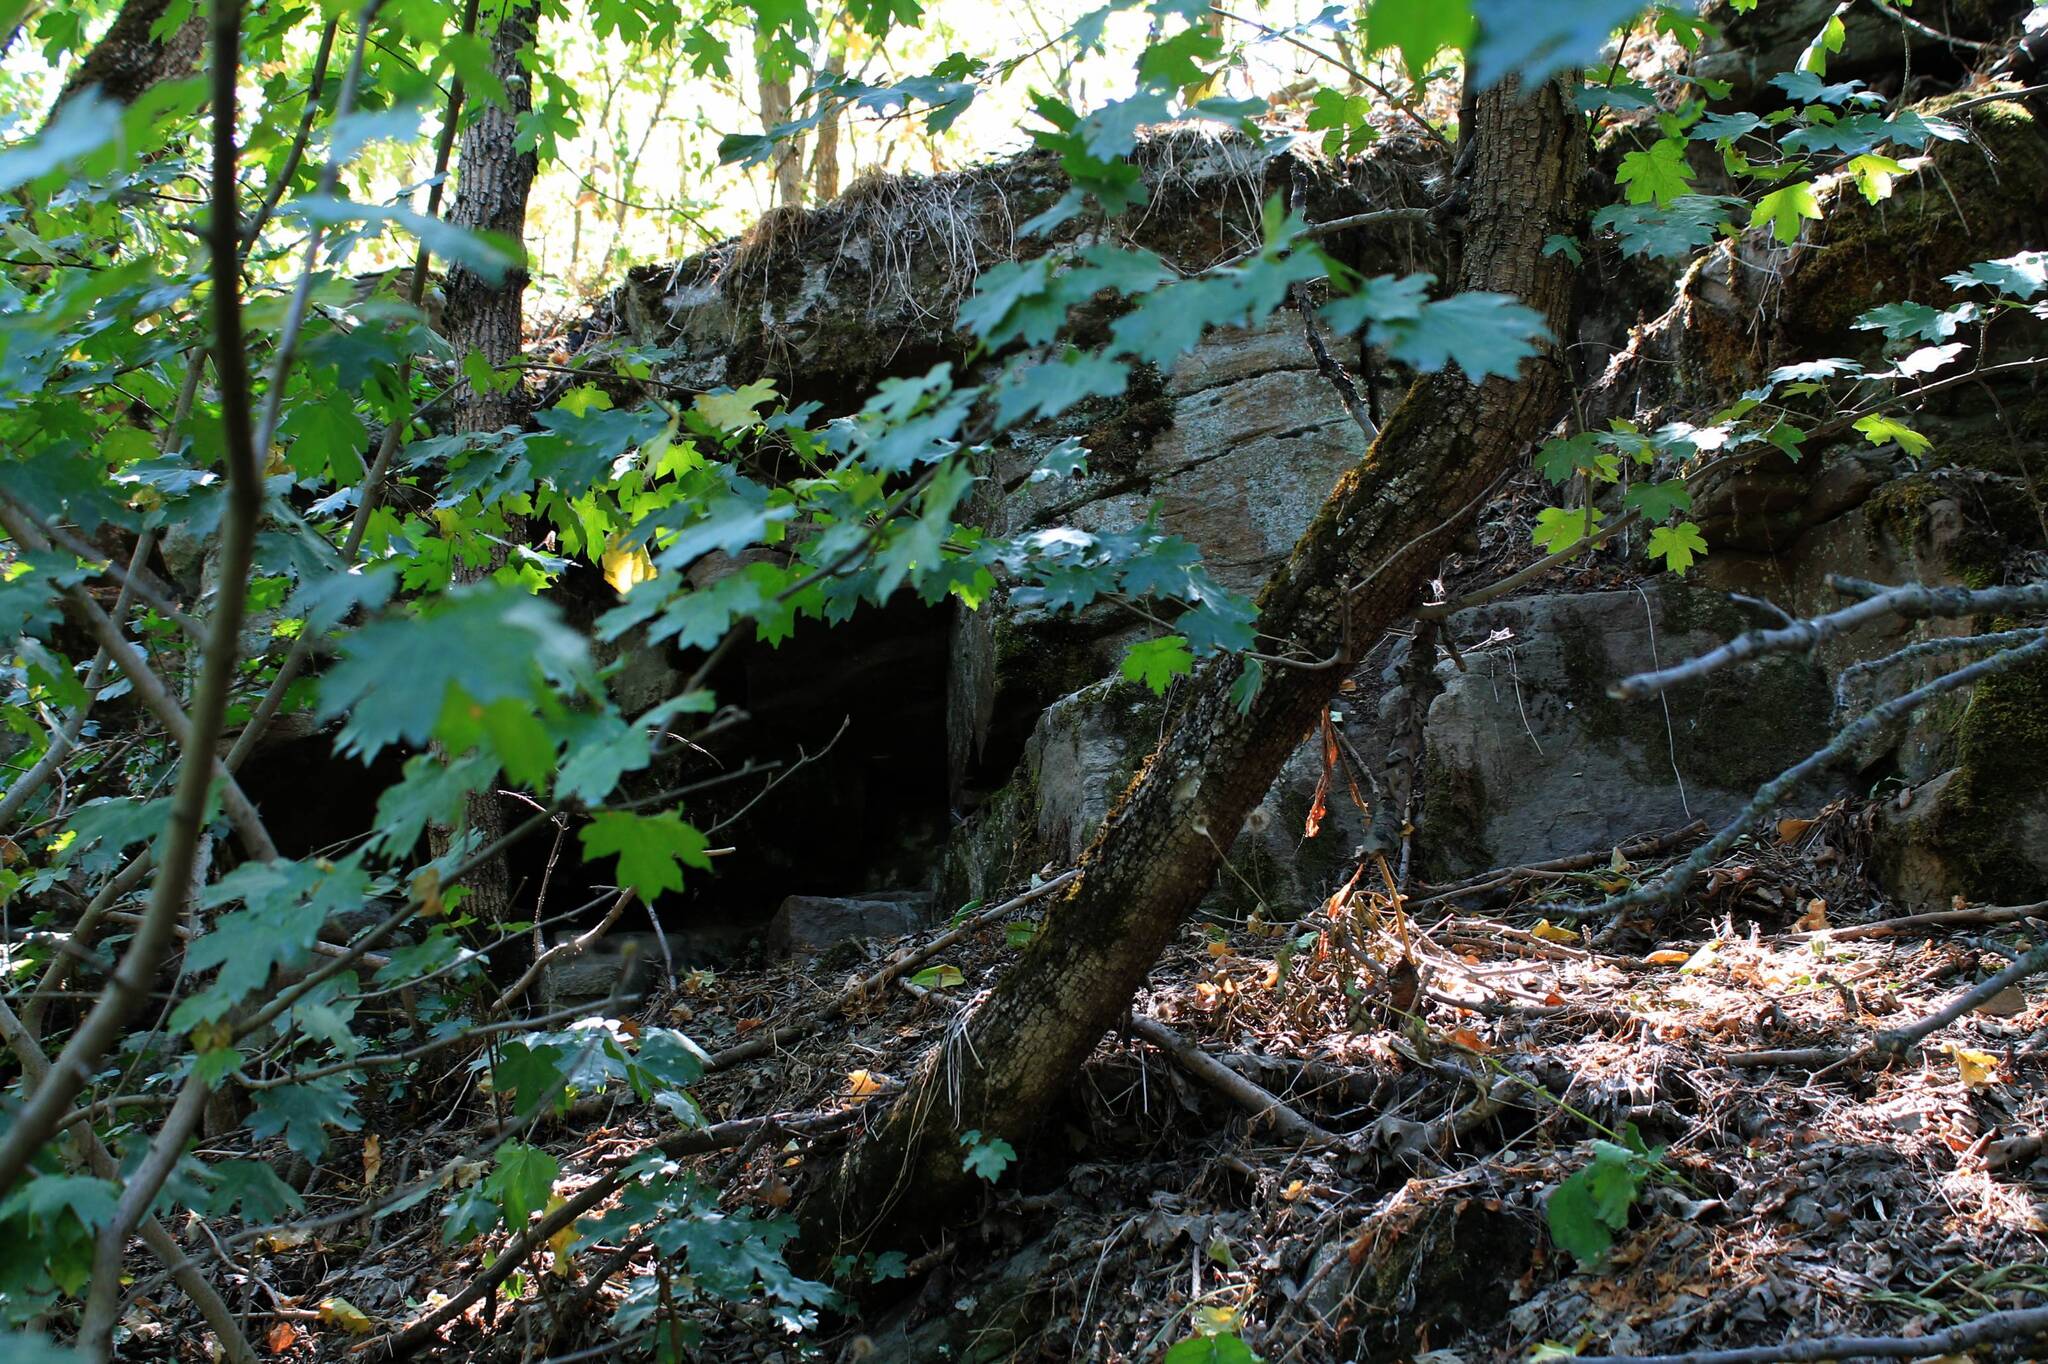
<point>1783,1194</point>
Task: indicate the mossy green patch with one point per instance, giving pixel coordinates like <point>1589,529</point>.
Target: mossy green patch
<point>1981,828</point>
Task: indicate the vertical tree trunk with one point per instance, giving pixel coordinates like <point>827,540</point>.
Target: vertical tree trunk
<point>1355,571</point>
<point>127,61</point>
<point>825,157</point>
<point>789,157</point>
<point>494,180</point>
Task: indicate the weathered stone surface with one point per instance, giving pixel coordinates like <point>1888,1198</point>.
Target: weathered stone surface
<point>621,964</point>
<point>808,926</point>
<point>1527,757</point>
<point>1980,829</point>
<point>1079,759</point>
<point>1238,446</point>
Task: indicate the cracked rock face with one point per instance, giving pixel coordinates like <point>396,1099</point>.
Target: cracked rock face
<point>1527,758</point>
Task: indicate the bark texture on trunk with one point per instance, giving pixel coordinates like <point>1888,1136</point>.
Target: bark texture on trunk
<point>495,179</point>
<point>789,157</point>
<point>127,61</point>
<point>825,158</point>
<point>1356,570</point>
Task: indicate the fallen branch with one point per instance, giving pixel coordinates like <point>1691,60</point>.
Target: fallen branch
<point>2014,1325</point>
<point>1253,1099</point>
<point>1645,845</point>
<point>1940,918</point>
<point>866,987</point>
<point>1899,1041</point>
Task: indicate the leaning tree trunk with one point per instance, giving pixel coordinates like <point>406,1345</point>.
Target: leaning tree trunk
<point>1355,571</point>
<point>487,317</point>
<point>127,60</point>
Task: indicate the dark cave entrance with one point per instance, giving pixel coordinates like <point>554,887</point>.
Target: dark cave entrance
<point>867,812</point>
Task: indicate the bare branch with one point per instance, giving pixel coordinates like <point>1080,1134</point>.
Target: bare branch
<point>1913,601</point>
<point>133,977</point>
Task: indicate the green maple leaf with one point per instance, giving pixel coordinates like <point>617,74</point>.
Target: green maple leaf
<point>1561,458</point>
<point>252,1186</point>
<point>603,750</point>
<point>1677,545</point>
<point>1782,209</point>
<point>1482,333</point>
<point>1049,389</point>
<point>651,849</point>
<point>1658,175</point>
<point>303,1113</point>
<point>730,410</point>
<point>1882,430</point>
<point>532,1075</point>
<point>1874,175</point>
<point>491,640</point>
<point>1559,528</point>
<point>1658,500</point>
<point>987,1157</point>
<point>2022,276</point>
<point>521,1181</point>
<point>1156,662</point>
<point>92,1201</point>
<point>1418,29</point>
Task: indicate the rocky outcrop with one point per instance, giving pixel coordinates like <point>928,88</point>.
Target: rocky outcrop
<point>1083,752</point>
<point>1527,757</point>
<point>807,927</point>
<point>1524,756</point>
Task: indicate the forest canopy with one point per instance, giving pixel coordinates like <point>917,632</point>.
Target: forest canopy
<point>649,648</point>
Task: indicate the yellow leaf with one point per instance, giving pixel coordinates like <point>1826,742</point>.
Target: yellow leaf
<point>1702,959</point>
<point>426,888</point>
<point>1219,949</point>
<point>345,1314</point>
<point>1979,1069</point>
<point>861,1083</point>
<point>624,568</point>
<point>561,1241</point>
<point>1294,1191</point>
<point>282,1337</point>
<point>1792,830</point>
<point>1216,1321</point>
<point>1815,919</point>
<point>1551,932</point>
<point>735,411</point>
<point>1668,956</point>
<point>373,1159</point>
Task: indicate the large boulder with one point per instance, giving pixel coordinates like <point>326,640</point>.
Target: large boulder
<point>1237,446</point>
<point>1526,756</point>
<point>1980,828</point>
<point>807,927</point>
<point>1080,758</point>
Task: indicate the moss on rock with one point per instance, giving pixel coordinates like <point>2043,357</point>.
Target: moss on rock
<point>1988,826</point>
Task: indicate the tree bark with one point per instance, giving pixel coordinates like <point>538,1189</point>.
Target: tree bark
<point>825,156</point>
<point>127,61</point>
<point>789,157</point>
<point>1356,570</point>
<point>495,180</point>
